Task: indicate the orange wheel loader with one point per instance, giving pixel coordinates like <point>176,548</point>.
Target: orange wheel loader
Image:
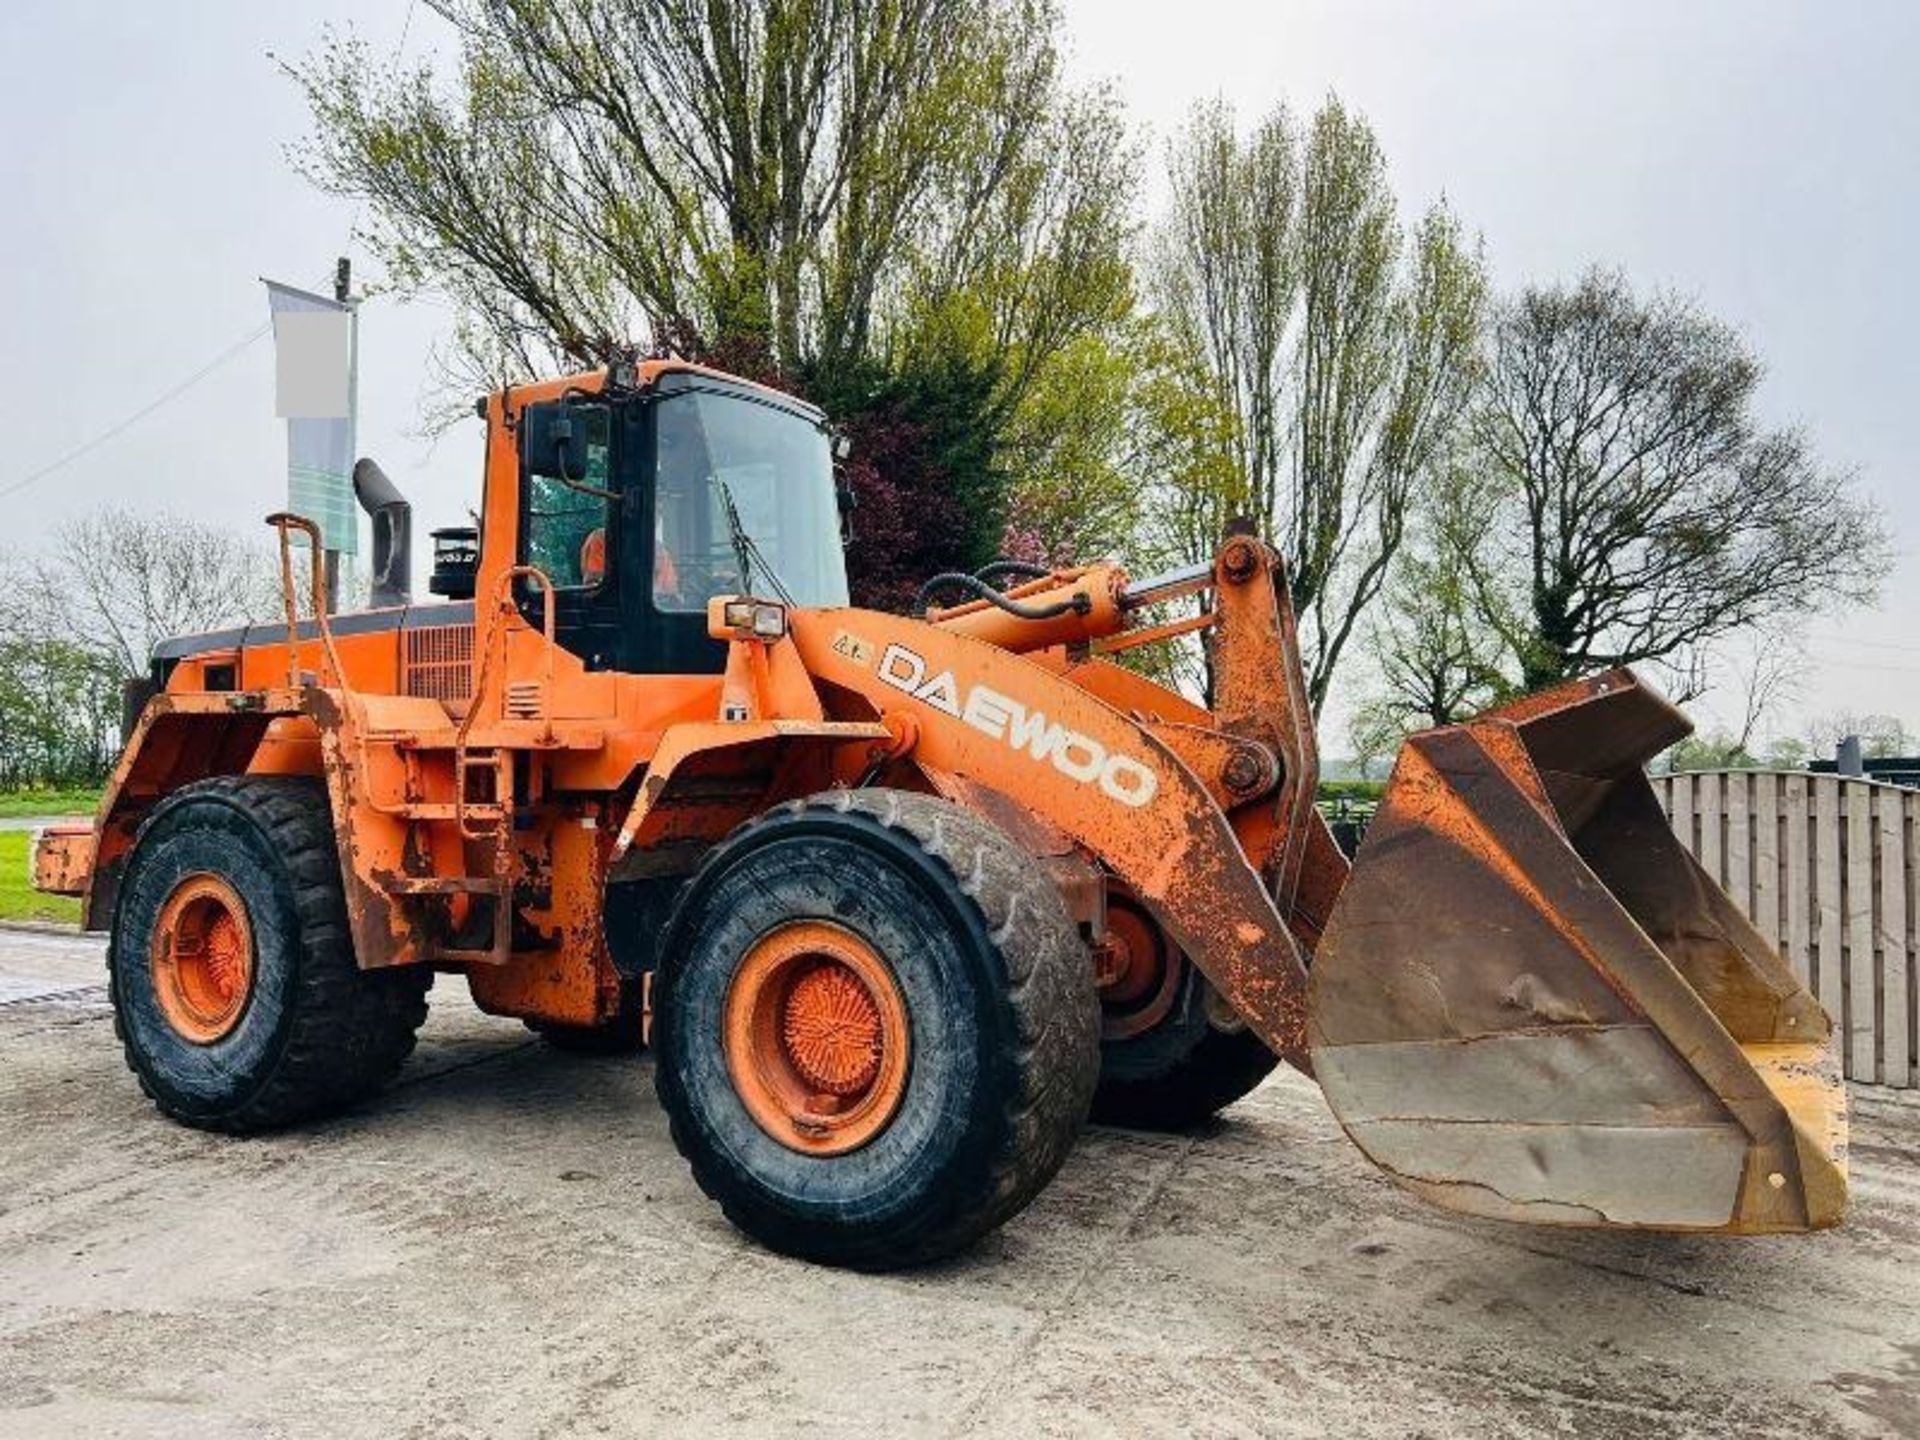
<point>897,902</point>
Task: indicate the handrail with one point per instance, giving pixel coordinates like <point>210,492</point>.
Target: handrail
<point>286,522</point>
<point>502,603</point>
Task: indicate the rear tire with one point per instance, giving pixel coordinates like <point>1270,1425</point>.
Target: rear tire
<point>980,1039</point>
<point>303,1031</point>
<point>1184,1070</point>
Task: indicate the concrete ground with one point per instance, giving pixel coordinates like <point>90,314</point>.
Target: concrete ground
<point>34,822</point>
<point>506,1244</point>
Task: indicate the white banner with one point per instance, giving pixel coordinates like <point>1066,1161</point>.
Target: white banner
<point>313,391</point>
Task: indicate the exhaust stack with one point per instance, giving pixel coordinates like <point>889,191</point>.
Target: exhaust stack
<point>392,519</point>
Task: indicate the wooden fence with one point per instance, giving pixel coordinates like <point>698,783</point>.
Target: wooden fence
<point>1824,866</point>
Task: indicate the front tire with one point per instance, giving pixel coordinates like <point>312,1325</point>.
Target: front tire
<point>875,1027</point>
<point>235,992</point>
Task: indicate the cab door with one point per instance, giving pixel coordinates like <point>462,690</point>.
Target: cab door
<point>571,528</point>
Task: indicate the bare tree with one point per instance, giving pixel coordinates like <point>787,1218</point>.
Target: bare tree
<point>1767,669</point>
<point>1343,354</point>
<point>1772,672</point>
<point>1881,736</point>
<point>1642,511</point>
<point>116,583</point>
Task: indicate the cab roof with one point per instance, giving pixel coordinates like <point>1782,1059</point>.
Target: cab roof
<point>647,372</point>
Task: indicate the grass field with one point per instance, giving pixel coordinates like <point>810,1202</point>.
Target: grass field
<point>18,899</point>
<point>48,802</point>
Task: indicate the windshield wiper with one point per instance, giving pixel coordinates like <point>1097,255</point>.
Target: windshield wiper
<point>745,552</point>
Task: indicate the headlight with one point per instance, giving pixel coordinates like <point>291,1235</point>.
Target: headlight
<point>762,619</point>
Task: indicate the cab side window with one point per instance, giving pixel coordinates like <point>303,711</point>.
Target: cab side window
<point>566,530</point>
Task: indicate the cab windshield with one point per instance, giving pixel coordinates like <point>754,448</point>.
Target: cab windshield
<point>744,503</point>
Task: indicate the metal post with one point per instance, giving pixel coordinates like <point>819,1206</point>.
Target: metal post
<point>343,292</point>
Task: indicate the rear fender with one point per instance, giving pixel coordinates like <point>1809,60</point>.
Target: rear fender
<point>188,736</point>
<point>178,739</point>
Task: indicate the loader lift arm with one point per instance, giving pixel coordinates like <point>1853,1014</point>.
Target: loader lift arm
<point>1145,796</point>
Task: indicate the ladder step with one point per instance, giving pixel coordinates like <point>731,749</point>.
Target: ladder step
<point>480,810</point>
<point>444,885</point>
<point>429,740</point>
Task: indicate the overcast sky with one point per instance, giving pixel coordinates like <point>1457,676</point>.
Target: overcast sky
<point>1760,157</point>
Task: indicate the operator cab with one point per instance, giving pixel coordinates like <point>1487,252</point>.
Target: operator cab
<point>643,503</point>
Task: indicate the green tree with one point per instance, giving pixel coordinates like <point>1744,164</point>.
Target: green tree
<point>1438,659</point>
<point>1341,348</point>
<point>1717,749</point>
<point>59,699</point>
<point>1074,491</point>
<point>84,617</point>
<point>897,207</point>
<point>802,176</point>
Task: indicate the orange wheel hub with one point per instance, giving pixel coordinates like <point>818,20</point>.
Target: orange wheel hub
<point>817,1038</point>
<point>201,958</point>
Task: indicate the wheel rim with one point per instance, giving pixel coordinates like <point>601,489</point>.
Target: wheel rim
<point>817,1039</point>
<point>201,958</point>
<point>1146,972</point>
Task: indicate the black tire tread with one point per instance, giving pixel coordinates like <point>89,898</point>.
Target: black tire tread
<point>1049,990</point>
<point>1224,1066</point>
<point>350,1029</point>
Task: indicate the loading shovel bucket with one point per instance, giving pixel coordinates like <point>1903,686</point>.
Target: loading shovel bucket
<point>1531,1003</point>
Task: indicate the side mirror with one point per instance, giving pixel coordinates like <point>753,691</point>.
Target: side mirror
<point>554,439</point>
<point>840,445</point>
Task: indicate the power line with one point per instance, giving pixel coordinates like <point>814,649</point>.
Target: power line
<point>137,416</point>
<point>174,393</point>
<point>1841,664</point>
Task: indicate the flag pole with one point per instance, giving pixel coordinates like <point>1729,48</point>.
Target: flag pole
<point>343,292</point>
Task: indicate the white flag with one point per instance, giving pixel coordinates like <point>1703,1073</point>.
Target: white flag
<point>313,384</point>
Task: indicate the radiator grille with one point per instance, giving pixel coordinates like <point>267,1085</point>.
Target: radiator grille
<point>439,662</point>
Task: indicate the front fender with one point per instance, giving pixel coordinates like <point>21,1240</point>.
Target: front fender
<point>177,739</point>
<point>669,813</point>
